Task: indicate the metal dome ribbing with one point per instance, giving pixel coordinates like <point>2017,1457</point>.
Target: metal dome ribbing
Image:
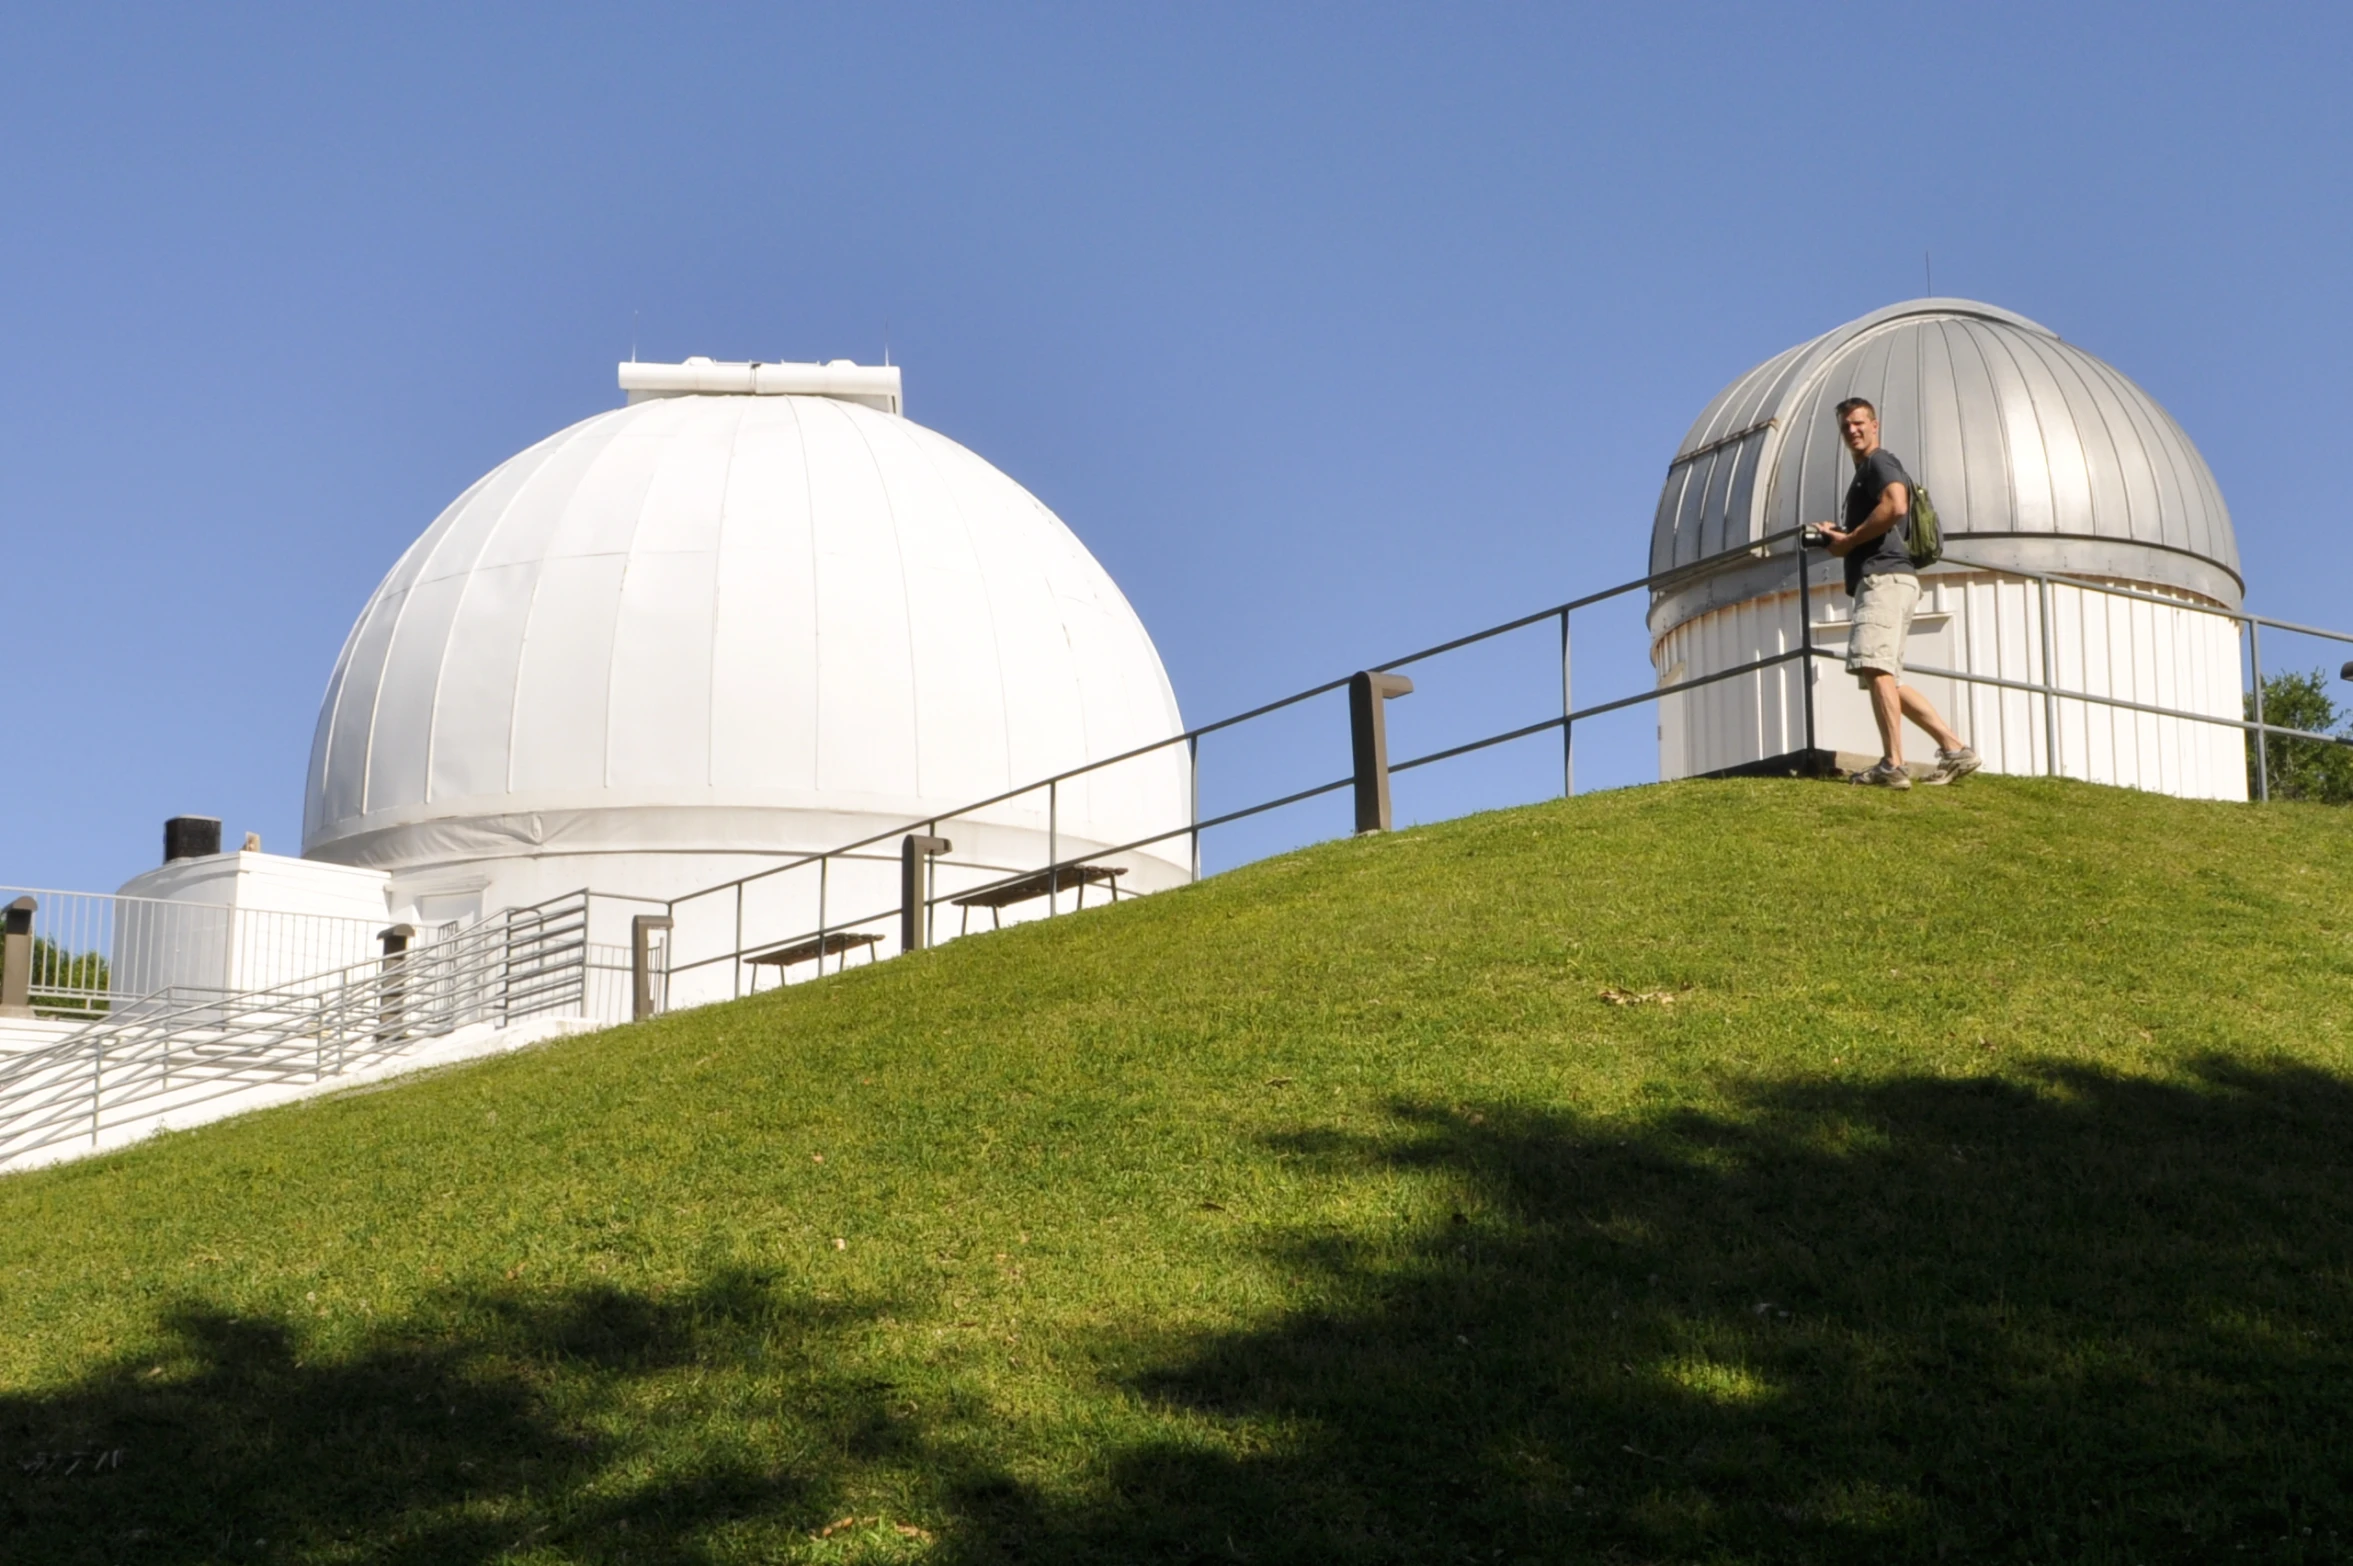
<point>2040,456</point>
<point>691,607</point>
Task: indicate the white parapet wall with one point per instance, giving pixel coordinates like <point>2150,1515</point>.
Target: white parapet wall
<point>2178,655</point>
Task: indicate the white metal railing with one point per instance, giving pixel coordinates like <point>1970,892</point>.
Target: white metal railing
<point>93,951</point>
<point>162,1057</point>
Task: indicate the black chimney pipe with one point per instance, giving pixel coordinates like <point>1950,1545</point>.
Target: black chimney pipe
<point>191,837</point>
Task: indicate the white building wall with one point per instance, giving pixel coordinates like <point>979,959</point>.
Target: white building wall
<point>242,921</point>
<point>2185,658</point>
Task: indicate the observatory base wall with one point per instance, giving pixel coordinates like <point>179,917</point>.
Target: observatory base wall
<point>2182,657</point>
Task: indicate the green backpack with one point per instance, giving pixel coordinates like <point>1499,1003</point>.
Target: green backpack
<point>1923,534</point>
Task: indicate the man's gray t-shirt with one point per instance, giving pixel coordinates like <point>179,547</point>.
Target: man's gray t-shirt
<point>1891,551</point>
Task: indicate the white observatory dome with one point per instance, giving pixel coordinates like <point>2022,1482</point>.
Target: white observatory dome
<point>2041,457</point>
<point>754,612</point>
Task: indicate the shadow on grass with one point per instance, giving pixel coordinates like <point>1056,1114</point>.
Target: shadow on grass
<point>498,1427</point>
<point>2087,1318</point>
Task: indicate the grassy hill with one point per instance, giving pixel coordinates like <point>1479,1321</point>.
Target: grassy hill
<point>1720,1172</point>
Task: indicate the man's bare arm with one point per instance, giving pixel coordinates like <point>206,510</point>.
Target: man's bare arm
<point>1895,502</point>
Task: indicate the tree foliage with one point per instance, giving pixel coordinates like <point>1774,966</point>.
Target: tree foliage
<point>2303,769</point>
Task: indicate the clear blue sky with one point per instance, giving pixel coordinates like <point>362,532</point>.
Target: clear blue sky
<point>1332,330</point>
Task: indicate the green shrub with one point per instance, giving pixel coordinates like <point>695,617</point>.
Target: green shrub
<point>2303,769</point>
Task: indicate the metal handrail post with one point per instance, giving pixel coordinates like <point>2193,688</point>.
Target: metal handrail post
<point>2262,741</point>
<point>824,861</point>
<point>916,851</point>
<point>1053,847</point>
<point>735,969</point>
<point>506,967</point>
<point>1568,754</point>
<point>392,995</point>
<point>1193,790</point>
<point>2051,682</point>
<point>1369,695</point>
<point>1805,643</point>
<point>16,959</point>
<point>641,963</point>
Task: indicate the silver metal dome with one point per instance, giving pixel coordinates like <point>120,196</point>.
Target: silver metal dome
<point>2039,456</point>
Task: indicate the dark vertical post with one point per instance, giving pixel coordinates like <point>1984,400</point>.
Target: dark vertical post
<point>822,861</point>
<point>1193,787</point>
<point>1805,642</point>
<point>2262,740</point>
<point>915,851</point>
<point>930,926</point>
<point>16,960</point>
<point>1369,694</point>
<point>392,998</point>
<point>1568,753</point>
<point>641,963</point>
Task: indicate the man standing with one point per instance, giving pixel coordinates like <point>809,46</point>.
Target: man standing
<point>1875,544</point>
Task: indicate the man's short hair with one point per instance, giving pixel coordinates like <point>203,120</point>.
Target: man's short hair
<point>1852,403</point>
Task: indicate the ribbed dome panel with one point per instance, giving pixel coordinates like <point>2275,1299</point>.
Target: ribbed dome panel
<point>2018,435</point>
<point>769,601</point>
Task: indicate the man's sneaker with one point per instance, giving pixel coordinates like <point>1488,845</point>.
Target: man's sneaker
<point>1954,765</point>
<point>1885,775</point>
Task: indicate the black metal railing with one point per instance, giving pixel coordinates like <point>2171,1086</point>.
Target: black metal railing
<point>883,893</point>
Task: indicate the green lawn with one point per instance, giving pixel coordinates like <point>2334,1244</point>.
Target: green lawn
<point>1968,1179</point>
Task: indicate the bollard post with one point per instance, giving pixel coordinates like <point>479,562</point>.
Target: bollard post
<point>1369,694</point>
<point>16,960</point>
<point>641,962</point>
<point>915,854</point>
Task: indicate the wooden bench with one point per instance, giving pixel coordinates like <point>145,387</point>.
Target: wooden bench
<point>834,943</point>
<point>996,899</point>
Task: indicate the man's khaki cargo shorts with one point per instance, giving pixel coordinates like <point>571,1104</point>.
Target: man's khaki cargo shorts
<point>1883,617</point>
